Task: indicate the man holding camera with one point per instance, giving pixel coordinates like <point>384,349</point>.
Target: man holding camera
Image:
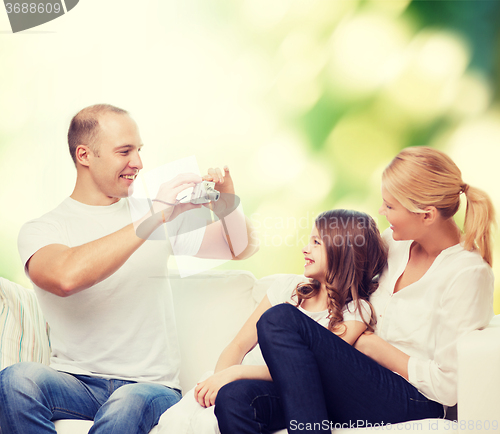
<point>104,289</point>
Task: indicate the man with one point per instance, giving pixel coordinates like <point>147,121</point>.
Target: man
<point>104,289</point>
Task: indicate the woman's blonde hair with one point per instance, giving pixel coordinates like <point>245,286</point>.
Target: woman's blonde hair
<point>419,177</point>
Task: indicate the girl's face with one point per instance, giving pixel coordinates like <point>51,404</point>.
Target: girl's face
<point>316,263</point>
<point>405,225</point>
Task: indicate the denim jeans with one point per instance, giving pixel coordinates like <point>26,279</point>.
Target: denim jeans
<point>33,395</point>
<point>319,382</point>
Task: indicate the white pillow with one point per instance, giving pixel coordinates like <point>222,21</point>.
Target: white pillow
<point>23,331</point>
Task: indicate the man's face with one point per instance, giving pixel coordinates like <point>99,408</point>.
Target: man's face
<point>116,163</point>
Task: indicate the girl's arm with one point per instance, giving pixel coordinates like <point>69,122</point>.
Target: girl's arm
<point>228,367</point>
<point>206,391</point>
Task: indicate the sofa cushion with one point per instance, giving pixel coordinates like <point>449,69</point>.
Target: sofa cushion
<point>72,426</point>
<point>210,308</point>
<point>23,331</point>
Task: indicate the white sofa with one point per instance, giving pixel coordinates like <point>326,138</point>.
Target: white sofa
<point>210,309</point>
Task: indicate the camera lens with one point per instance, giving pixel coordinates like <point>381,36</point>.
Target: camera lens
<point>212,194</point>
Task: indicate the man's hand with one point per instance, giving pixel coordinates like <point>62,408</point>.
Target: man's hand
<point>230,237</point>
<point>165,206</point>
<point>168,193</point>
<point>223,182</point>
<point>228,201</point>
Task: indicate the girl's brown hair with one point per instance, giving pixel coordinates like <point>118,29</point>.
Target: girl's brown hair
<point>419,177</point>
<point>356,256</point>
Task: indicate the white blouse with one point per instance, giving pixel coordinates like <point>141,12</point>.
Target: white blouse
<point>426,319</point>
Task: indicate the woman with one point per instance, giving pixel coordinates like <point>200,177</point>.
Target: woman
<point>437,287</point>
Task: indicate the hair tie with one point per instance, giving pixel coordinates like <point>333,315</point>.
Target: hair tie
<point>464,189</point>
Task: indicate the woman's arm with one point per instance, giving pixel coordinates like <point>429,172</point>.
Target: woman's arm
<point>466,305</point>
<point>383,353</point>
<point>371,345</point>
<point>227,368</point>
<point>354,329</point>
<point>353,326</point>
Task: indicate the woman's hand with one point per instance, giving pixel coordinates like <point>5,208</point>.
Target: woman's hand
<point>206,391</point>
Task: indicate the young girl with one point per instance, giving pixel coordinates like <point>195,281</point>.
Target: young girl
<point>343,259</point>
<point>438,286</point>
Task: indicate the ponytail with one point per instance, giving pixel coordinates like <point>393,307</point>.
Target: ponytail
<point>479,220</point>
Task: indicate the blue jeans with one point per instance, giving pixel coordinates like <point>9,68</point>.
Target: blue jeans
<point>318,381</point>
<point>33,395</point>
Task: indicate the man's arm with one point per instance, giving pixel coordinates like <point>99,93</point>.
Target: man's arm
<point>238,243</point>
<point>64,270</point>
<point>232,236</point>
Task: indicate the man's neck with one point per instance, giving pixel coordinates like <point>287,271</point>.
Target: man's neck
<point>89,196</point>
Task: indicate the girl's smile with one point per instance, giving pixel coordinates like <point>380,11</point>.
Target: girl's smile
<point>316,262</point>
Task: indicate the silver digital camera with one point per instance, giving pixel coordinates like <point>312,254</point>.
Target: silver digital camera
<point>204,192</point>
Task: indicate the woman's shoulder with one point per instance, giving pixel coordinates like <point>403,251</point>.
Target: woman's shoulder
<point>456,262</point>
<point>463,275</point>
<point>464,262</point>
<point>457,254</point>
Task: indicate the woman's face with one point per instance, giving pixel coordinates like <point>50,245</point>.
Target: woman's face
<point>405,225</point>
<point>316,262</point>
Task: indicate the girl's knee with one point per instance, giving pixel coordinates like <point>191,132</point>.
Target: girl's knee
<point>231,397</point>
<point>225,395</point>
<point>224,403</point>
<point>276,317</point>
<point>239,393</point>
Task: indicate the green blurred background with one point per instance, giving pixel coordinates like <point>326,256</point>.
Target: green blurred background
<point>306,101</point>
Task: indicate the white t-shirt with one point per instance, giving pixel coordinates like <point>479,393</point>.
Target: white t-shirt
<point>123,327</point>
<point>426,318</point>
<point>282,290</point>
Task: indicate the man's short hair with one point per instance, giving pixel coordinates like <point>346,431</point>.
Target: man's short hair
<point>84,127</point>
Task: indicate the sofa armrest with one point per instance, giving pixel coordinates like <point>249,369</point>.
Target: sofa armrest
<point>479,377</point>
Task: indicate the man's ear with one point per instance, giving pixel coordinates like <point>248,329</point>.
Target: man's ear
<point>82,155</point>
<point>430,215</point>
